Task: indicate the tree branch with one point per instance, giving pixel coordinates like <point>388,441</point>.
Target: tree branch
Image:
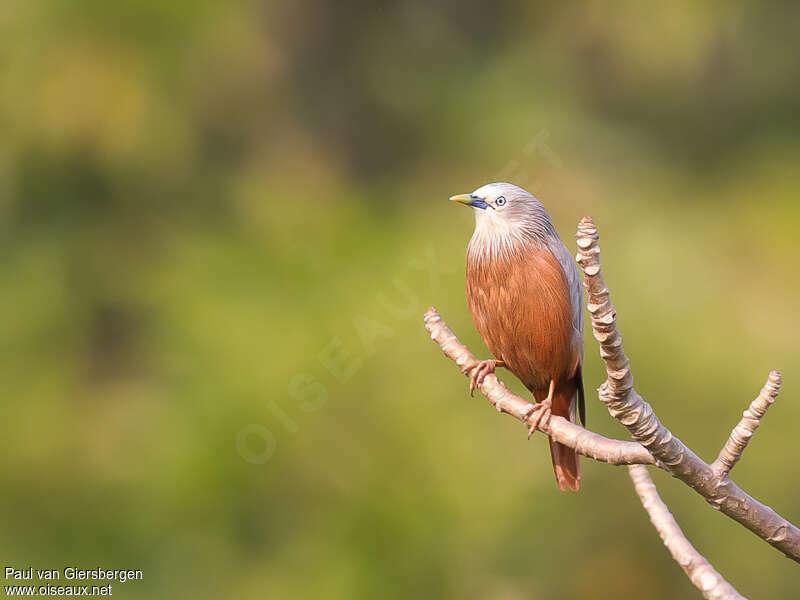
<point>699,571</point>
<point>628,407</point>
<point>597,447</point>
<point>751,418</point>
<point>587,443</point>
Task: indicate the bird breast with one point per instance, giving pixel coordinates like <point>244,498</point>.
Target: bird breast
<point>520,303</point>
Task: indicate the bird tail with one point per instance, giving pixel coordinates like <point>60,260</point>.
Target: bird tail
<point>566,467</point>
<point>565,459</point>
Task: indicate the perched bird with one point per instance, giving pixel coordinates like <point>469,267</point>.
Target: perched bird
<point>524,293</point>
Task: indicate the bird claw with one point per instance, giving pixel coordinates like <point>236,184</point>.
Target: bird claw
<point>479,372</point>
<point>544,410</point>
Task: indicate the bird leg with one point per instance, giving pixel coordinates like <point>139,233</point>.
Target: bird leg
<point>480,370</point>
<point>543,410</point>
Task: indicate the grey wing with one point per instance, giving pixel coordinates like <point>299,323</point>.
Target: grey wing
<point>564,257</point>
<point>560,251</point>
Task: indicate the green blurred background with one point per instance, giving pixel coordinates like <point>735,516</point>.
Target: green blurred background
<point>220,223</point>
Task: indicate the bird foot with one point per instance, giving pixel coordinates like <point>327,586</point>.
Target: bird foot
<point>479,372</point>
<point>543,410</point>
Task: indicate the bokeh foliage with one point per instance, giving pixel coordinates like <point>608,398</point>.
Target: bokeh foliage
<point>201,201</point>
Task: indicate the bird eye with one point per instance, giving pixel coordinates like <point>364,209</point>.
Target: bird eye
<point>500,201</point>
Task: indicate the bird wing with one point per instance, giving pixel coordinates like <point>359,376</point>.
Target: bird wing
<point>564,257</point>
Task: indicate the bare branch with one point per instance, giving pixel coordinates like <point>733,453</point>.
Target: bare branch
<point>597,447</point>
<point>751,418</point>
<point>699,571</point>
<point>587,443</point>
<point>625,405</point>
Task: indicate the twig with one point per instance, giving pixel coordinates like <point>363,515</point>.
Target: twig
<point>699,571</point>
<point>751,418</point>
<point>628,407</point>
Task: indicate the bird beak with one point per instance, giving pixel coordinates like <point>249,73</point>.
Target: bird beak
<point>470,200</point>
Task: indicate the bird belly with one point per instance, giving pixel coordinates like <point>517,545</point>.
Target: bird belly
<point>520,305</point>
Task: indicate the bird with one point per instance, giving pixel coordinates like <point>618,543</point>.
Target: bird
<point>524,293</point>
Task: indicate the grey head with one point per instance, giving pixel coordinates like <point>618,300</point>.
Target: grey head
<point>505,216</point>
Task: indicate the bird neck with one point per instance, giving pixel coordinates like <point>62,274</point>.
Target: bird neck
<point>495,239</point>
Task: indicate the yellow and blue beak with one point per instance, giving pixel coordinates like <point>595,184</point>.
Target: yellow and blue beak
<point>470,200</point>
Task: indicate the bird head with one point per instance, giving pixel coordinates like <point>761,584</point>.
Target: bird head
<point>506,213</point>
